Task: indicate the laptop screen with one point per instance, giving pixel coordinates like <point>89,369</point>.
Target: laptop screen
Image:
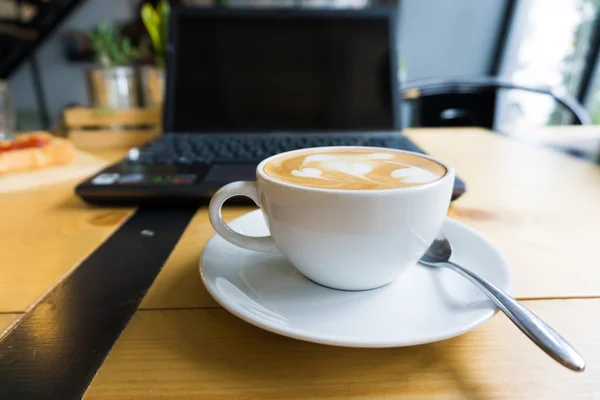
<point>298,71</point>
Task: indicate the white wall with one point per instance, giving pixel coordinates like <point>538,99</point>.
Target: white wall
<point>449,37</point>
<point>437,38</point>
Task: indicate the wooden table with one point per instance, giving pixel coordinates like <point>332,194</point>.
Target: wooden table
<point>540,207</point>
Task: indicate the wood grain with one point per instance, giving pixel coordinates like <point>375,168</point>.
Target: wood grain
<point>6,320</point>
<point>584,138</point>
<point>546,230</point>
<point>58,346</point>
<point>46,230</point>
<point>178,284</point>
<point>44,233</point>
<point>91,128</point>
<point>91,140</point>
<point>92,117</point>
<point>539,206</point>
<point>210,354</point>
<point>110,155</point>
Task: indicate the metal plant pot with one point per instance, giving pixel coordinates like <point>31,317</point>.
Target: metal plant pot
<point>115,88</point>
<point>153,86</point>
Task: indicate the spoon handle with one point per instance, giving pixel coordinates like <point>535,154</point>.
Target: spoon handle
<point>531,325</point>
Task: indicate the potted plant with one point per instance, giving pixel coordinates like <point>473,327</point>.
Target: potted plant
<point>153,76</point>
<point>114,85</point>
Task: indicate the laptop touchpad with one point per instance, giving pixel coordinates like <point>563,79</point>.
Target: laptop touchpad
<point>231,172</point>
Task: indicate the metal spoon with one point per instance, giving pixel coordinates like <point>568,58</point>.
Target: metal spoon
<point>438,255</point>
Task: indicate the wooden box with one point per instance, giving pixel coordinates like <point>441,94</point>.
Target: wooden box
<point>94,129</point>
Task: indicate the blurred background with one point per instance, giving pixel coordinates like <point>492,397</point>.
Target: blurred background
<point>454,57</point>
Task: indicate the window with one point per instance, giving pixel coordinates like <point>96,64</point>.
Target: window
<point>547,47</point>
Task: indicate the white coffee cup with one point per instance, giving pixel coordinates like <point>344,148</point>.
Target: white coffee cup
<point>343,239</point>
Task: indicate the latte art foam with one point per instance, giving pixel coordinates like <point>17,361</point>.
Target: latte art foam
<point>354,169</point>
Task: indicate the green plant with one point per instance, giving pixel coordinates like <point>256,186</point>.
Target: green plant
<point>156,23</point>
<point>113,49</point>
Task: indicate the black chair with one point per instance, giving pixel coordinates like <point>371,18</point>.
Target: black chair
<point>471,101</point>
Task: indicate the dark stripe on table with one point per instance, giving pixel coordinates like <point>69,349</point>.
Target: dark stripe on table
<point>57,347</point>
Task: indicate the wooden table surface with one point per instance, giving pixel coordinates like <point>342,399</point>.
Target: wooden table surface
<point>540,207</point>
<point>582,138</point>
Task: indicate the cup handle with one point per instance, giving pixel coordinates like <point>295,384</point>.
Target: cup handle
<point>264,244</point>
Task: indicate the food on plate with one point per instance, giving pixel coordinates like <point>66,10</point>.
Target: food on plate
<point>34,150</point>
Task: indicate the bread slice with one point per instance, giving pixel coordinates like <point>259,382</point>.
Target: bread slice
<point>49,151</point>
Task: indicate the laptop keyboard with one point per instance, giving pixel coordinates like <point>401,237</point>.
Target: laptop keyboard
<point>207,149</point>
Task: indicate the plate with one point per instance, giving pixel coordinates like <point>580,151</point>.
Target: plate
<point>423,305</point>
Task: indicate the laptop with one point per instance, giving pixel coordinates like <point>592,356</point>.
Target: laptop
<point>245,84</point>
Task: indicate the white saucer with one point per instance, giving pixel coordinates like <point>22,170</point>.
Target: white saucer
<point>424,305</point>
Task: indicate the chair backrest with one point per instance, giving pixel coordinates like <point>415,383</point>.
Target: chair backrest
<point>445,109</point>
<point>471,102</point>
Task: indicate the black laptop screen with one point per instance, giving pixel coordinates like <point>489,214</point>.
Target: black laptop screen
<point>262,73</point>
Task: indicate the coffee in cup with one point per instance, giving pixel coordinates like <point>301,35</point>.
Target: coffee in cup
<point>353,169</point>
<point>350,218</point>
